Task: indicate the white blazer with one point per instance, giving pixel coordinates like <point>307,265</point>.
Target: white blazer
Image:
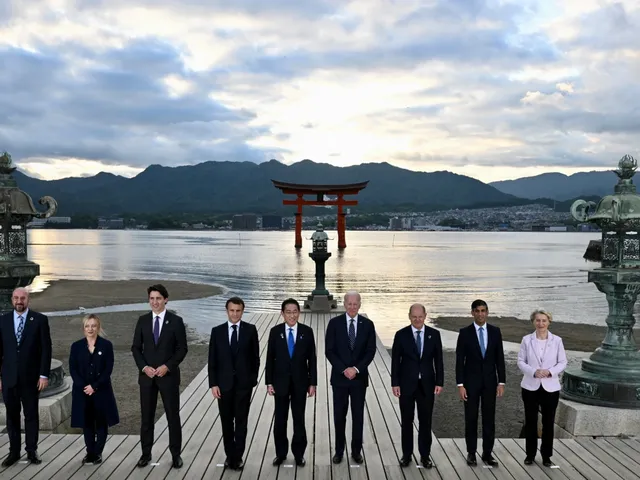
<point>554,359</point>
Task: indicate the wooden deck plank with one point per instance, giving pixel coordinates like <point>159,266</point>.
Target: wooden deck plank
<point>610,456</point>
<point>590,460</point>
<point>44,445</point>
<point>514,466</point>
<point>56,452</point>
<point>535,470</point>
<point>464,471</point>
<point>85,471</point>
<point>564,464</point>
<point>625,449</point>
<point>127,449</point>
<point>323,441</point>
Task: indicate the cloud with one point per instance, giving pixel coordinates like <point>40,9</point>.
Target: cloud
<point>466,85</point>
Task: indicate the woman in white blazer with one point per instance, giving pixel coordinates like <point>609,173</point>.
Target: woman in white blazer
<point>541,359</point>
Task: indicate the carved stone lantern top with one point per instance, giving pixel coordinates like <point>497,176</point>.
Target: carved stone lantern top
<point>319,239</point>
<point>618,215</point>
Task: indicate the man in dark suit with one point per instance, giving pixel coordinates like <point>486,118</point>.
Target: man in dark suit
<point>417,373</point>
<point>159,346</point>
<point>350,345</point>
<point>25,363</point>
<point>291,376</point>
<point>480,376</point>
<point>234,360</point>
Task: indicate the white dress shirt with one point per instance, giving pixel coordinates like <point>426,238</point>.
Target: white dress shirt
<point>295,332</point>
<point>355,323</point>
<point>414,330</point>
<point>161,321</point>
<point>484,333</point>
<point>230,330</point>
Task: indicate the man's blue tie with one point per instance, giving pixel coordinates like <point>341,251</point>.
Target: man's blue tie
<point>352,335</point>
<point>20,329</point>
<point>483,349</point>
<point>290,342</point>
<point>156,330</point>
<point>419,343</point>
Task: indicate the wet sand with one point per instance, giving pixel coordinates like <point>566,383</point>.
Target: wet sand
<point>64,295</point>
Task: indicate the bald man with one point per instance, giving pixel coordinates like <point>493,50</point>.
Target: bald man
<point>417,376</point>
<point>25,361</point>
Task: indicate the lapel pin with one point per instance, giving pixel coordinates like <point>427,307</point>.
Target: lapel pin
<point>31,319</point>
<point>282,335</point>
<point>166,322</point>
<point>99,352</point>
<point>301,335</point>
<point>430,335</point>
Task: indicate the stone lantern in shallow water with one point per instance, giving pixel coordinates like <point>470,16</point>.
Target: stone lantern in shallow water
<point>320,299</point>
<point>611,375</point>
<point>16,210</point>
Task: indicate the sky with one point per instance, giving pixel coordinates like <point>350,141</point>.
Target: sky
<point>490,89</point>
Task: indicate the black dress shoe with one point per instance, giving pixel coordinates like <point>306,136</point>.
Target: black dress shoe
<point>337,458</point>
<point>300,461</point>
<point>489,460</point>
<point>97,459</point>
<point>405,460</point>
<point>547,462</point>
<point>471,459</point>
<point>528,460</point>
<point>11,459</point>
<point>227,463</point>
<point>357,457</point>
<point>177,462</point>
<point>34,458</point>
<point>88,458</point>
<point>278,461</point>
<point>239,465</point>
<point>426,462</point>
<point>144,461</point>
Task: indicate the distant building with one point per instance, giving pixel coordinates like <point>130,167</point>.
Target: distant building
<point>272,222</point>
<point>37,223</point>
<point>58,220</point>
<point>245,221</point>
<point>395,223</point>
<point>111,223</point>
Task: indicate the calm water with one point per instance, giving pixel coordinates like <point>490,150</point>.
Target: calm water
<point>513,272</point>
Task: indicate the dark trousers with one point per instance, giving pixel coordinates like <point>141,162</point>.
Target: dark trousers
<point>25,395</point>
<point>341,396</point>
<point>485,398</point>
<point>423,398</point>
<point>234,413</point>
<point>546,402</point>
<point>95,427</point>
<point>170,392</point>
<point>297,398</point>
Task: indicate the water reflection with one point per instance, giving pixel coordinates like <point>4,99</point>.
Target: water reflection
<point>514,272</point>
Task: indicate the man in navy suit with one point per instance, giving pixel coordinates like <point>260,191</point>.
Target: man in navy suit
<point>480,376</point>
<point>234,361</point>
<point>159,346</point>
<point>291,376</point>
<point>25,363</point>
<point>350,345</point>
<point>417,375</point>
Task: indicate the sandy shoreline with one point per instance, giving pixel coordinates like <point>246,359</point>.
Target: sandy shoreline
<point>64,295</point>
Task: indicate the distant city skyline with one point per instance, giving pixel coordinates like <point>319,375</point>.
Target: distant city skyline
<point>491,89</point>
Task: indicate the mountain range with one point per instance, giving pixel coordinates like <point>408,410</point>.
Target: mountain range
<point>558,186</point>
<point>235,187</point>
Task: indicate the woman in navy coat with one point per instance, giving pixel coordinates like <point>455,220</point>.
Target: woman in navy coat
<point>94,406</point>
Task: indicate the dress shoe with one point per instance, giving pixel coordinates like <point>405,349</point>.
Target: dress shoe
<point>239,465</point>
<point>405,460</point>
<point>357,457</point>
<point>177,462</point>
<point>471,459</point>
<point>426,462</point>
<point>337,458</point>
<point>88,458</point>
<point>97,459</point>
<point>547,462</point>
<point>528,460</point>
<point>278,460</point>
<point>489,460</point>
<point>300,461</point>
<point>227,463</point>
<point>34,458</point>
<point>11,459</point>
<point>144,461</point>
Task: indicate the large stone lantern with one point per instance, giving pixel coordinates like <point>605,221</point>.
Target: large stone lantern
<point>320,300</point>
<point>16,210</point>
<point>611,375</point>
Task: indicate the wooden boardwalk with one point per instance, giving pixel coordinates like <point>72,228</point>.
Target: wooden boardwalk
<point>204,456</point>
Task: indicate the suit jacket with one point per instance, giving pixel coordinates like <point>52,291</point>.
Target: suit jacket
<point>170,351</point>
<point>80,370</point>
<point>32,358</point>
<point>408,368</point>
<point>281,371</point>
<point>553,359</point>
<point>223,371</point>
<point>340,355</point>
<point>473,371</point>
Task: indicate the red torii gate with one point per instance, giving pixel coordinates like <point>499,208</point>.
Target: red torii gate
<point>320,191</point>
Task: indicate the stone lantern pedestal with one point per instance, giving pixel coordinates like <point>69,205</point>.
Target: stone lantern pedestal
<point>602,397</point>
<point>320,299</point>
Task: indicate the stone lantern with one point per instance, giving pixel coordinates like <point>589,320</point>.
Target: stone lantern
<point>16,210</point>
<point>320,300</point>
<point>611,375</point>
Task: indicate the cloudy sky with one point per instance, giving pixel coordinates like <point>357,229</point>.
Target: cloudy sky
<point>489,88</point>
